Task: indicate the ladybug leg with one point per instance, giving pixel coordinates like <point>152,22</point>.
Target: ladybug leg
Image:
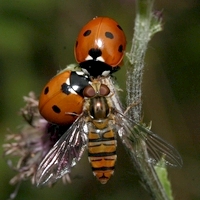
<point>71,113</point>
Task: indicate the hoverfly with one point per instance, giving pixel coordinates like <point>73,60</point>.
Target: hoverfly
<point>96,128</point>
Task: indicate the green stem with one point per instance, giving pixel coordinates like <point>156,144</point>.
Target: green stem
<point>147,23</point>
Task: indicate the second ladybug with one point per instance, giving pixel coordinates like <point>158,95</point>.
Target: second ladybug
<point>61,100</point>
<point>100,47</point>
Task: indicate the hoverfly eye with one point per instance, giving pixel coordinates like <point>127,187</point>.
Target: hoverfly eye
<point>104,90</point>
<point>89,91</point>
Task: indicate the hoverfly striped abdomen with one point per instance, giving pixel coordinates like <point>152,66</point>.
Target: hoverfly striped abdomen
<point>101,133</point>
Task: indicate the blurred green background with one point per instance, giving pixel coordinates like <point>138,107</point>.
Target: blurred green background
<point>36,40</point>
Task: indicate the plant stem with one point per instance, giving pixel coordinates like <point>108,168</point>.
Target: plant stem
<point>147,23</point>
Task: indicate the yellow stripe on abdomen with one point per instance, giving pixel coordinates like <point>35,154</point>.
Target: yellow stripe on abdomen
<point>102,154</point>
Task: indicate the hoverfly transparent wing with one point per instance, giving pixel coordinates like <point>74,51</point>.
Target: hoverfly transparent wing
<point>158,148</point>
<point>134,135</point>
<point>64,154</point>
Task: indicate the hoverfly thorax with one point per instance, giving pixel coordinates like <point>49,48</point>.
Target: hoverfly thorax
<point>99,108</point>
<point>99,112</point>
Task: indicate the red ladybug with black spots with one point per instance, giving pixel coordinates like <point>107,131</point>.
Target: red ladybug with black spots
<point>61,100</point>
<point>100,47</point>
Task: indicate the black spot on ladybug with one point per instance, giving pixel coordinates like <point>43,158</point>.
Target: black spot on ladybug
<point>86,33</point>
<point>76,43</point>
<point>95,53</point>
<point>120,48</point>
<point>46,90</point>
<point>118,26</point>
<point>56,109</point>
<point>109,35</point>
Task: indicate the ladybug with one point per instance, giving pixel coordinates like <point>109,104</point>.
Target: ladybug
<point>61,100</point>
<point>100,47</point>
